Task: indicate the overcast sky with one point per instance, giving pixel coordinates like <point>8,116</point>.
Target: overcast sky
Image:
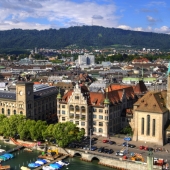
<point>140,15</point>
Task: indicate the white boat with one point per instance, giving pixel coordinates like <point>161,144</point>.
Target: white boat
<point>39,162</point>
<point>2,151</point>
<point>48,168</point>
<point>65,163</point>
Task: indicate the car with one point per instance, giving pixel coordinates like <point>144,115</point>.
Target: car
<point>105,141</point>
<point>125,144</point>
<point>141,147</point>
<point>150,149</point>
<point>101,149</point>
<point>86,147</point>
<point>132,146</point>
<point>93,148</point>
<point>111,142</point>
<point>106,150</point>
<point>146,148</point>
<point>94,139</point>
<point>110,151</point>
<point>117,153</point>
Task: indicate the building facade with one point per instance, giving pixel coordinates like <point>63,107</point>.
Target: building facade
<point>37,102</point>
<point>86,59</point>
<point>98,112</point>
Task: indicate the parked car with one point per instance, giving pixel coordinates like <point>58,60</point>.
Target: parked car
<point>101,149</point>
<point>125,144</point>
<point>105,141</point>
<point>94,139</point>
<point>110,151</point>
<point>141,147</point>
<point>112,142</point>
<point>150,149</point>
<point>132,146</point>
<point>117,153</point>
<point>93,148</point>
<point>106,150</point>
<point>146,148</point>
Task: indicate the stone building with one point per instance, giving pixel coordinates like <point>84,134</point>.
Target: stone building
<point>96,111</point>
<point>36,102</point>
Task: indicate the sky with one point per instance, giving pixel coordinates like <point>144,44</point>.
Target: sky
<point>137,15</point>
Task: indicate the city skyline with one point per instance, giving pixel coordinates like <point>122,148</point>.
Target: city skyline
<point>149,16</point>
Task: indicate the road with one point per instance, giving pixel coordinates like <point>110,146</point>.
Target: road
<point>118,146</point>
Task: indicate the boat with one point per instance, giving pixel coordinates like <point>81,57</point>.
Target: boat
<point>2,151</point>
<point>48,168</point>
<point>25,168</point>
<point>65,163</point>
<point>5,167</point>
<point>33,165</point>
<point>28,149</point>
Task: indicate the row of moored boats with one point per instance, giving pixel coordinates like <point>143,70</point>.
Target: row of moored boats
<point>53,166</point>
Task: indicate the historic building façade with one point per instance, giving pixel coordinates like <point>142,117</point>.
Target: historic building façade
<point>37,102</point>
<point>100,112</point>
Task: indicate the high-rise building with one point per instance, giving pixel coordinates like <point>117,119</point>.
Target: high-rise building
<point>86,59</point>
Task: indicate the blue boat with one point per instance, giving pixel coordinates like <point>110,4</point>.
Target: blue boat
<point>42,160</point>
<point>55,165</point>
<point>33,165</point>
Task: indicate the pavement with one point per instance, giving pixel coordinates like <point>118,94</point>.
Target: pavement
<point>118,146</point>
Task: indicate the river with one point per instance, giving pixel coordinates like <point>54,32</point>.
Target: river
<point>22,158</point>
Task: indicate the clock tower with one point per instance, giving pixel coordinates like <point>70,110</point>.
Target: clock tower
<point>25,98</point>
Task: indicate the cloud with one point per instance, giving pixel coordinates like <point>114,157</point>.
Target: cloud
<point>151,19</point>
<point>66,12</point>
<point>157,3</point>
<point>163,29</point>
<point>97,17</point>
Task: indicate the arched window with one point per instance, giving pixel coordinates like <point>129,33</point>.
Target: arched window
<point>143,126</point>
<point>2,110</point>
<point>8,111</point>
<point>83,110</point>
<point>148,125</point>
<point>14,112</point>
<point>100,130</point>
<point>21,112</point>
<point>71,108</point>
<point>77,109</point>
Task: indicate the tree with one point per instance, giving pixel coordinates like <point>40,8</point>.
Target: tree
<point>66,133</point>
<point>127,130</point>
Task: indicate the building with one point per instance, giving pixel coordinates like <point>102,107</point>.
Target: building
<point>86,59</point>
<point>100,112</point>
<point>37,102</point>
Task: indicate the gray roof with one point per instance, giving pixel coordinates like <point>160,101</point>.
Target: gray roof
<point>8,95</point>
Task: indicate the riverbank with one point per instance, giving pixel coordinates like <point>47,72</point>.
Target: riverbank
<point>108,161</point>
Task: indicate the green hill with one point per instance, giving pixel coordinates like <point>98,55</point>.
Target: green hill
<point>82,36</point>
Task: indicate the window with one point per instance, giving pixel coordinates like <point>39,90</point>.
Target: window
<point>71,108</point>
<point>100,130</point>
<point>94,129</point>
<point>94,116</point>
<point>106,111</point>
<point>2,110</point>
<point>101,110</point>
<point>63,118</point>
<point>77,122</point>
<point>148,125</point>
<point>8,111</point>
<point>76,97</point>
<point>83,117</point>
<point>82,123</point>
<point>14,112</point>
<point>123,119</point>
<point>83,110</point>
<point>100,123</point>
<point>153,127</point>
<point>63,112</point>
<point>21,112</point>
<point>100,117</point>
<point>142,126</point>
<point>94,110</point>
<point>77,109</point>
<point>63,106</point>
<point>94,123</point>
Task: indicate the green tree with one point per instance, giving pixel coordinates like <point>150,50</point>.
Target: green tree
<point>127,130</point>
<point>66,133</point>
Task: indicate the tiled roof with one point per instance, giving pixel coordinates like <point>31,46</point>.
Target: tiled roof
<point>152,102</point>
<point>8,95</point>
<point>140,88</point>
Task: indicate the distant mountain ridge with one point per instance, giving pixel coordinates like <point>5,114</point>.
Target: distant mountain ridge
<point>83,36</point>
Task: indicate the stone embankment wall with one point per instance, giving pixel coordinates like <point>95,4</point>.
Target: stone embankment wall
<point>106,161</point>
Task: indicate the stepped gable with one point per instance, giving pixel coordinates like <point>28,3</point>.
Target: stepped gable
<point>67,96</point>
<point>152,102</point>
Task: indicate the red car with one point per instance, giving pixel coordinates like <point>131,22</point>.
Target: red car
<point>141,147</point>
<point>146,148</point>
<point>105,141</point>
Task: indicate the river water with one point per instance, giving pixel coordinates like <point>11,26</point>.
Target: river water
<point>22,158</point>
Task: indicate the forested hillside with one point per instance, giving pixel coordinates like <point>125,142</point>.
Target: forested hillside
<point>81,36</point>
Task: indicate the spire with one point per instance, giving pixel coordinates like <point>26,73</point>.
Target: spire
<point>142,72</point>
<point>106,100</point>
<point>59,94</point>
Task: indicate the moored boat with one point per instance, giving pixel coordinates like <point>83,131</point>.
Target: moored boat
<point>5,167</point>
